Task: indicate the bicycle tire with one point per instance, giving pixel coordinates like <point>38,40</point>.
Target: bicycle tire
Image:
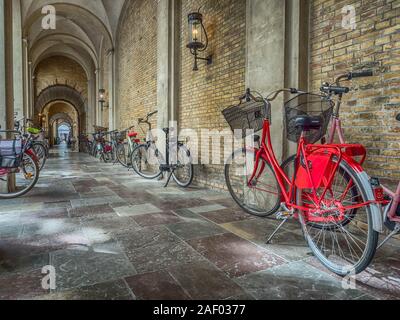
<point>188,182</point>
<point>30,187</point>
<point>121,149</point>
<point>372,236</point>
<point>137,155</point>
<point>41,155</point>
<point>252,210</point>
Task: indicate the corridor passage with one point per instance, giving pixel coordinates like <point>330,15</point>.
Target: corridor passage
<point>111,235</point>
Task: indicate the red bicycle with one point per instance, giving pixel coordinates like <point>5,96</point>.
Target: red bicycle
<point>336,203</point>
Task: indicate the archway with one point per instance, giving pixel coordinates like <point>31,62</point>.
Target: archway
<point>58,113</point>
<point>64,131</point>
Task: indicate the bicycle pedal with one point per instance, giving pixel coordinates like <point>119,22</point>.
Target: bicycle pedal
<point>283,215</point>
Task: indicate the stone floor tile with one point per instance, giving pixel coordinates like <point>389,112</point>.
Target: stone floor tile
<point>136,210</point>
<point>208,208</point>
<point>234,255</point>
<point>108,291</point>
<point>82,267</point>
<point>156,219</point>
<point>296,281</point>
<point>202,281</point>
<point>195,230</point>
<point>158,285</point>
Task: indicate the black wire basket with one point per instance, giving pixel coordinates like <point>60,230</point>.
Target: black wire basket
<point>246,118</point>
<point>312,105</point>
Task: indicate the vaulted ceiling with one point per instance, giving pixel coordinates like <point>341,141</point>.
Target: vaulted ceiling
<point>85,29</point>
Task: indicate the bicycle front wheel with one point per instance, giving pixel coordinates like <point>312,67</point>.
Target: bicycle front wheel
<point>17,182</point>
<point>260,197</point>
<point>184,173</point>
<point>145,161</point>
<point>342,239</point>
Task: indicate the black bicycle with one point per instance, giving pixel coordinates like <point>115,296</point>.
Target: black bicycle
<point>148,162</point>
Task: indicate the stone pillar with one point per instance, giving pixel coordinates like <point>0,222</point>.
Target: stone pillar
<point>90,112</point>
<point>18,61</point>
<point>9,63</point>
<point>168,61</point>
<point>26,73</point>
<point>9,76</point>
<point>32,91</point>
<point>276,57</point>
<point>99,114</point>
<point>111,90</point>
<point>2,69</point>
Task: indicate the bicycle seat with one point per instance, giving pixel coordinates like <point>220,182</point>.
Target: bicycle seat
<point>132,134</point>
<point>398,117</point>
<point>307,123</point>
<point>166,130</point>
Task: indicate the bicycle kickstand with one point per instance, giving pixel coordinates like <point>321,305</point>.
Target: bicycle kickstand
<point>269,240</point>
<point>390,236</point>
<point>169,179</point>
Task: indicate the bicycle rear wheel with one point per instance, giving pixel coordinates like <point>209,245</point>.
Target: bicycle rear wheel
<point>263,197</point>
<point>184,173</point>
<point>122,154</point>
<point>145,161</point>
<point>25,178</point>
<point>41,154</point>
<point>342,239</point>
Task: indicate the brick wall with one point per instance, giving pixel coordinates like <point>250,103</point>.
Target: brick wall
<point>137,62</point>
<point>205,93</point>
<point>369,111</point>
<point>60,70</point>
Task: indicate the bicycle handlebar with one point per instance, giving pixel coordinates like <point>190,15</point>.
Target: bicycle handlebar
<point>360,74</point>
<point>149,115</point>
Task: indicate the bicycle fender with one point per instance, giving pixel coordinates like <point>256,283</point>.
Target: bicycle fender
<point>377,214</point>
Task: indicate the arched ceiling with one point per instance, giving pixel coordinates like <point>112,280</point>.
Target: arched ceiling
<point>85,29</point>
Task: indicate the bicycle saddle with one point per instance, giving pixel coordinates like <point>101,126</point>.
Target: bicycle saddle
<point>398,117</point>
<point>307,123</point>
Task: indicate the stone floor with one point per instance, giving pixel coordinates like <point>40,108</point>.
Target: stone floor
<point>112,235</point>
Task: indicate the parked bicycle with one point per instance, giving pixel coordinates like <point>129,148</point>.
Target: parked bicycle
<point>40,147</point>
<point>334,200</point>
<point>104,150</point>
<point>124,149</point>
<point>19,166</point>
<point>150,163</point>
<point>85,145</point>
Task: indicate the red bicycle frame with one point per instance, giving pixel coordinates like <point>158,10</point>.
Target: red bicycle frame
<point>266,153</point>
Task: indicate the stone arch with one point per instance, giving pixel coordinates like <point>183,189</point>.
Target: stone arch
<point>61,93</point>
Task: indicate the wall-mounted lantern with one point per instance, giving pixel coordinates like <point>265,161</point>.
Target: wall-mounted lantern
<point>102,98</point>
<point>198,38</point>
